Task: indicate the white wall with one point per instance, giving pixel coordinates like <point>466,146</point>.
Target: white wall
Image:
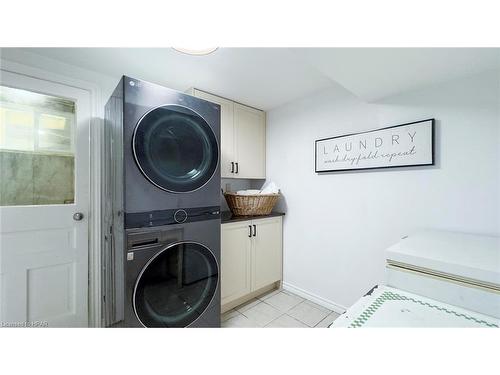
<point>338,225</point>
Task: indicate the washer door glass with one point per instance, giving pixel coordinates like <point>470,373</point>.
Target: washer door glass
<point>175,148</point>
<point>176,286</point>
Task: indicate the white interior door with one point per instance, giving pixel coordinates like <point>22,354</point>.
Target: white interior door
<point>44,202</point>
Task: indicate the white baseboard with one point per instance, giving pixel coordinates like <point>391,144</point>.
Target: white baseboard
<point>314,298</point>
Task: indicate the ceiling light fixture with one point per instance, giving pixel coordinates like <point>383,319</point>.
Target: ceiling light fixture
<point>196,51</point>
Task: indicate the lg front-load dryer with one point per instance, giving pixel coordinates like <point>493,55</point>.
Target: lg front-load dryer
<point>169,142</point>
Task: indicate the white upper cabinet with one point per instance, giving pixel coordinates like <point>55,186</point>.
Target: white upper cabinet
<point>243,138</point>
<point>250,141</point>
<point>226,130</point>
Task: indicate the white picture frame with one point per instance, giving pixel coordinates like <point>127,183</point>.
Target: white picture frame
<point>405,145</point>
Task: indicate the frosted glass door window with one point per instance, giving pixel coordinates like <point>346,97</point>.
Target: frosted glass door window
<point>36,148</point>
<point>17,129</point>
<point>54,133</point>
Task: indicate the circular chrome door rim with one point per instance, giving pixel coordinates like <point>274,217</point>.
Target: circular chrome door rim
<point>139,164</point>
<point>161,252</point>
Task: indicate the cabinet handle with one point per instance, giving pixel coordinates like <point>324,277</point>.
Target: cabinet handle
<point>237,168</point>
<point>250,233</point>
<point>254,230</point>
<point>232,167</point>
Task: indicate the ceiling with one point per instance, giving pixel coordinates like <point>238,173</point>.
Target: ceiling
<point>268,77</point>
<point>375,73</point>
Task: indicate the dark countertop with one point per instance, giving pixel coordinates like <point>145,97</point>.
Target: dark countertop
<point>228,217</point>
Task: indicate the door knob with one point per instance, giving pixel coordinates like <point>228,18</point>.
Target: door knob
<point>77,216</point>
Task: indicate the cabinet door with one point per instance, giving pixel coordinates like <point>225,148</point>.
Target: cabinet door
<point>267,252</point>
<point>250,135</point>
<point>235,261</point>
<point>226,131</point>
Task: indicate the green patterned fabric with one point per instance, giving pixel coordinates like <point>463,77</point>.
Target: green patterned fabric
<point>391,296</point>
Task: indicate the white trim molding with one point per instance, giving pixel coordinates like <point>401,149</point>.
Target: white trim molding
<point>315,298</point>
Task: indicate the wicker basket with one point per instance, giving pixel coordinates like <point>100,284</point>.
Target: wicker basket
<point>243,205</point>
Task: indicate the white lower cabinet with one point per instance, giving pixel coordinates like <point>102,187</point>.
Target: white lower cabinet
<point>251,257</point>
<point>236,249</point>
<point>266,252</point>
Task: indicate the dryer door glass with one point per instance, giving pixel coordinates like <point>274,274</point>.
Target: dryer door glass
<point>175,148</point>
<point>176,286</point>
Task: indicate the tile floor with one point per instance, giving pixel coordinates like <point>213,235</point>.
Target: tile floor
<point>278,309</point>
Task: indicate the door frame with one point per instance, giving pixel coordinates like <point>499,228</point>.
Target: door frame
<point>95,147</point>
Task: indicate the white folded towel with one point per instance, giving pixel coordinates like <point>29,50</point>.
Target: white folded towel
<point>270,188</point>
<point>248,192</point>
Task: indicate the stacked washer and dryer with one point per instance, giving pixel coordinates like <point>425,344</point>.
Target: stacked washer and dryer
<point>161,206</point>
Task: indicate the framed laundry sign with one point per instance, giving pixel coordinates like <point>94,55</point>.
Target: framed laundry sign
<point>405,145</point>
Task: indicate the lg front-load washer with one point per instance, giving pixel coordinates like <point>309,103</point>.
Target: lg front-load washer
<point>169,142</point>
<point>172,276</point>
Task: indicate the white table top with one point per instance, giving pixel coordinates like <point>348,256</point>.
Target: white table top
<point>466,255</point>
